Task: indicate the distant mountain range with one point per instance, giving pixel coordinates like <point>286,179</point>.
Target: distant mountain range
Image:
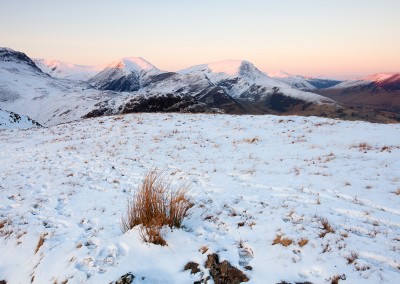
<point>378,92</point>
<point>53,92</point>
<point>303,83</point>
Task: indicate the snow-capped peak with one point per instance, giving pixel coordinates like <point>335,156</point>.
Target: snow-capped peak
<point>230,67</point>
<point>7,49</point>
<point>59,69</point>
<point>227,69</point>
<point>132,64</point>
<point>377,77</point>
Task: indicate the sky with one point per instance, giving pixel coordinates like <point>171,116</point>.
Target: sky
<point>329,38</point>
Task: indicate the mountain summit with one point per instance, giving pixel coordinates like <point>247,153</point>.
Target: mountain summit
<point>124,75</point>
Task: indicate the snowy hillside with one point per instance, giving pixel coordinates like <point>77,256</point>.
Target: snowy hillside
<point>13,120</point>
<point>59,69</point>
<point>125,75</point>
<point>134,74</point>
<point>389,81</point>
<point>289,199</point>
<point>297,82</point>
<point>26,90</point>
<point>242,80</point>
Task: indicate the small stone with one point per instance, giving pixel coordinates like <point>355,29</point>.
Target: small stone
<point>125,279</point>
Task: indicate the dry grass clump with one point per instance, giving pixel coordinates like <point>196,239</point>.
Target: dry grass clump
<point>40,242</point>
<point>363,146</point>
<point>327,228</point>
<point>251,140</point>
<point>283,241</point>
<point>336,278</point>
<point>157,204</point>
<point>352,257</point>
<point>302,242</point>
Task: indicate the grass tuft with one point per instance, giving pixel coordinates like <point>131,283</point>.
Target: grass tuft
<point>283,241</point>
<point>157,204</point>
<point>40,242</point>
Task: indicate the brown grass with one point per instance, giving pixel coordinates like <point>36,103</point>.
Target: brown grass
<point>327,228</point>
<point>40,242</point>
<point>157,204</point>
<point>352,257</point>
<point>153,233</point>
<point>203,249</point>
<point>335,279</point>
<point>283,241</point>
<point>251,140</point>
<point>363,146</point>
<point>302,242</point>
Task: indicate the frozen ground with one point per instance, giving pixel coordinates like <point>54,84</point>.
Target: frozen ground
<point>63,190</point>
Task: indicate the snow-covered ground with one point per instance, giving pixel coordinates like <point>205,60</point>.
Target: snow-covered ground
<point>253,177</point>
<point>13,120</point>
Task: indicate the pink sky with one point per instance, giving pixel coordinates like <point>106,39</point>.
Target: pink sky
<point>338,39</point>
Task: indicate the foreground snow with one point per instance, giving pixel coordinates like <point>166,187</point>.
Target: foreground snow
<point>253,178</point>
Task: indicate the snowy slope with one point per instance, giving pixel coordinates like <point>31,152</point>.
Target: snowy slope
<point>242,80</point>
<point>126,74</point>
<point>254,178</point>
<point>26,90</point>
<point>12,120</point>
<point>295,81</point>
<point>59,69</point>
<point>390,81</point>
<point>134,74</point>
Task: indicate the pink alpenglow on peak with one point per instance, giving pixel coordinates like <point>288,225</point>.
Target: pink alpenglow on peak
<point>132,64</point>
<point>381,77</point>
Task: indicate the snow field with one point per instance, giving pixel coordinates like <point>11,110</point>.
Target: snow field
<point>254,178</point>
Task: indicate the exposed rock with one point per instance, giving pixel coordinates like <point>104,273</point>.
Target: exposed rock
<point>281,103</point>
<point>224,272</point>
<point>248,267</point>
<point>124,279</point>
<point>164,103</point>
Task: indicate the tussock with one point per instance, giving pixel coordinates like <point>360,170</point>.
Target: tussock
<point>157,204</point>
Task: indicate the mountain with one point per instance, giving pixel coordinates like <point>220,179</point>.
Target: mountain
<point>302,82</point>
<point>254,89</point>
<point>125,75</point>
<point>320,83</point>
<point>133,84</point>
<point>162,91</point>
<point>10,119</point>
<point>26,90</point>
<point>296,82</point>
<point>377,91</point>
<point>376,82</point>
<point>59,69</point>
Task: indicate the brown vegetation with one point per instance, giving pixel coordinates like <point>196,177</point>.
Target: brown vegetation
<point>327,228</point>
<point>283,241</point>
<point>157,204</point>
<point>302,242</point>
<point>40,242</point>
